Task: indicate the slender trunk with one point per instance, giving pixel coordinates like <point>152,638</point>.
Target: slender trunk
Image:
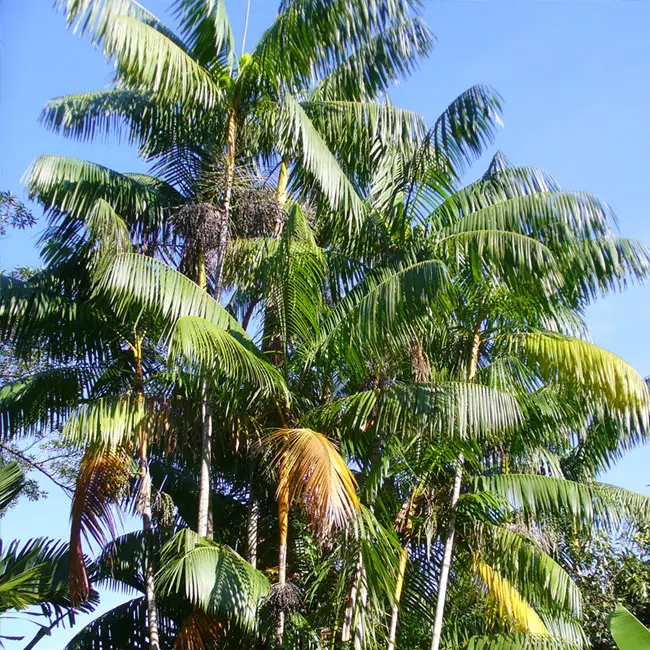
<point>346,630</point>
<point>363,601</point>
<point>206,465</point>
<point>401,569</point>
<point>145,505</point>
<point>472,368</point>
<point>399,586</point>
<point>446,558</point>
<point>251,524</point>
<point>203,518</point>
<point>283,518</point>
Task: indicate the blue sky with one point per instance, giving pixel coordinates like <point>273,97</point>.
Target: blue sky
<point>575,78</point>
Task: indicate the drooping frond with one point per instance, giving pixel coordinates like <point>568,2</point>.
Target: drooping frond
<point>510,601</point>
<point>534,573</point>
<point>518,641</point>
<point>97,16</point>
<point>106,422</point>
<point>39,402</point>
<point>71,186</point>
<point>135,280</point>
<point>313,472</point>
<point>388,302</point>
<point>213,577</point>
<point>34,573</point>
<point>102,478</point>
<point>587,370</point>
<point>466,127</point>
<point>298,134</point>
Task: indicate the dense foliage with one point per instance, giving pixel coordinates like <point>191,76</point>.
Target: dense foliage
<point>354,401</point>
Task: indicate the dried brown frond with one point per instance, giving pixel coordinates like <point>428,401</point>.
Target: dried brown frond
<point>103,476</point>
<point>198,632</point>
<point>313,472</point>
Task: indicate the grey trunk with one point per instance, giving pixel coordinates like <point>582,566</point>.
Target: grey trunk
<point>446,558</point>
<point>206,466</point>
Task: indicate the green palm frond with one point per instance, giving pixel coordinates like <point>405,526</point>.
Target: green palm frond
<point>134,281</point>
<point>516,641</point>
<point>40,402</point>
<point>628,632</point>
<point>534,573</point>
<point>466,126</point>
<point>97,16</point>
<point>379,61</point>
<point>12,481</point>
<point>388,302</point>
<point>149,61</point>
<point>207,32</point>
<point>586,503</point>
<point>213,577</point>
<point>298,134</point>
<point>108,422</point>
<point>211,348</point>
<point>71,186</point>
<point>124,114</point>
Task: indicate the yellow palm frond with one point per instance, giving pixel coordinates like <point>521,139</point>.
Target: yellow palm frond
<point>314,472</point>
<point>510,601</point>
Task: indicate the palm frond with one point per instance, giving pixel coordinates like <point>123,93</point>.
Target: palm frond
<point>12,481</point>
<point>207,32</point>
<point>298,134</point>
<point>213,577</point>
<point>102,478</point>
<point>213,349</point>
<point>124,626</point>
<point>149,61</point>
<point>510,601</point>
<point>313,472</point>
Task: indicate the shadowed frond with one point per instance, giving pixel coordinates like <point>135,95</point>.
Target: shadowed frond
<point>199,631</point>
<point>39,402</point>
<point>124,626</point>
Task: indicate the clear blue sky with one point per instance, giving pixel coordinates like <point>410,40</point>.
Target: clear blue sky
<point>575,77</point>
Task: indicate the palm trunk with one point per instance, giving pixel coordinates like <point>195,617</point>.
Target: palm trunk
<point>399,586</point>
<point>363,602</point>
<point>203,518</point>
<point>346,630</point>
<point>206,464</point>
<point>251,525</point>
<point>446,558</point>
<point>472,368</point>
<point>145,505</point>
<point>283,518</point>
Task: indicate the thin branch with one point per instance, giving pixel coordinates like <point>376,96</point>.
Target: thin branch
<point>38,467</point>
